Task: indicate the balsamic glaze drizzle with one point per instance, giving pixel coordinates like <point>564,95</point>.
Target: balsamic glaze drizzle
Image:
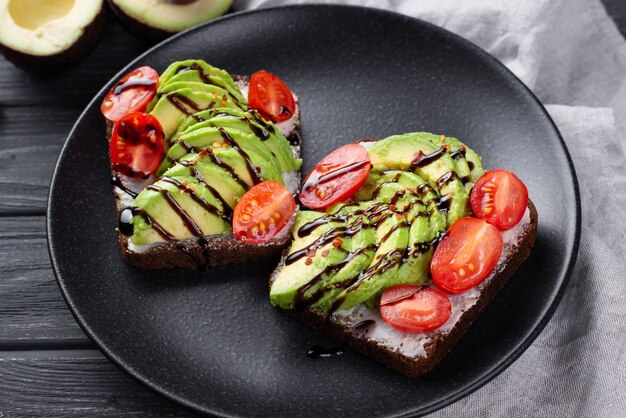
<point>132,82</point>
<point>317,351</point>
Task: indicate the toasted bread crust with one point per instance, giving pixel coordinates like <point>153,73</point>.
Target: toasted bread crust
<point>440,343</point>
<point>193,253</point>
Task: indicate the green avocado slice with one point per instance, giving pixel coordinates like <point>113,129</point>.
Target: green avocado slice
<point>392,234</point>
<point>182,206</point>
<point>468,164</point>
<point>299,273</point>
<point>421,153</point>
<point>254,153</point>
<point>171,107</point>
<point>247,123</point>
<point>202,72</point>
<point>224,185</point>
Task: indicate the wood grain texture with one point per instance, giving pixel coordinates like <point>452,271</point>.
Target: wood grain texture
<point>32,311</point>
<point>74,383</point>
<point>30,141</point>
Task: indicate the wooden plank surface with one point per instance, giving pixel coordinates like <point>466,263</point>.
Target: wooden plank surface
<point>32,311</point>
<point>73,383</point>
<point>30,141</point>
<point>47,365</point>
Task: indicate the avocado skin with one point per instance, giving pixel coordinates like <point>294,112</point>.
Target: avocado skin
<point>142,30</point>
<point>417,220</point>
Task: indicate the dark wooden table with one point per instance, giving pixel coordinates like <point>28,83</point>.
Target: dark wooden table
<point>47,365</point>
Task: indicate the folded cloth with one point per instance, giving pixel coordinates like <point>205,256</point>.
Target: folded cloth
<point>570,53</point>
<point>577,365</point>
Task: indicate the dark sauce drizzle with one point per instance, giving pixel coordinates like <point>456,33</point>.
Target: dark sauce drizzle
<point>252,169</point>
<point>184,104</point>
<point>126,222</point>
<point>194,195</point>
<point>154,224</point>
<point>187,220</point>
<point>294,139</point>
<point>132,82</point>
<point>206,79</point>
<point>116,181</point>
<point>314,180</point>
<point>317,351</point>
<point>302,301</point>
<point>363,325</point>
<point>422,160</point>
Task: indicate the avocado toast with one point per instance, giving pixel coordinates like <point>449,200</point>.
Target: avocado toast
<point>399,267</point>
<point>185,147</point>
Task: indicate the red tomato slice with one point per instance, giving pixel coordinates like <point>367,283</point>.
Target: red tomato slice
<point>262,212</point>
<point>500,198</point>
<point>466,255</point>
<point>271,97</point>
<point>337,177</point>
<point>137,145</point>
<point>415,309</point>
<point>131,94</point>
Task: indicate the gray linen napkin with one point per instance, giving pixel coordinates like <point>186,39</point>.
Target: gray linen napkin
<point>569,53</point>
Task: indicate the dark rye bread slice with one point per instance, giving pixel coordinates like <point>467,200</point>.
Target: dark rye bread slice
<point>211,250</point>
<point>438,343</point>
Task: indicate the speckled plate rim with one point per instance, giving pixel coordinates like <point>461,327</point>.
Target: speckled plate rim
<point>479,381</point>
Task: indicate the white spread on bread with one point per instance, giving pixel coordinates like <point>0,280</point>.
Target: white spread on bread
<point>413,345</point>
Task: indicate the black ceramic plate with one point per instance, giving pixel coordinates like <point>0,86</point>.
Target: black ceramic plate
<point>211,341</point>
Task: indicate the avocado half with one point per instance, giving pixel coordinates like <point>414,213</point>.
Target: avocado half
<point>158,19</point>
<point>45,35</point>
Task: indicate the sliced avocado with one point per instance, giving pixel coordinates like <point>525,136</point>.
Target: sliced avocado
<point>234,119</point>
<point>273,139</point>
<point>290,284</point>
<point>203,137</point>
<point>392,234</point>
<point>468,163</point>
<point>361,248</point>
<point>202,72</point>
<point>427,223</point>
<point>171,107</point>
<point>420,152</point>
<point>181,206</point>
<point>225,186</point>
<point>254,153</point>
<point>157,20</point>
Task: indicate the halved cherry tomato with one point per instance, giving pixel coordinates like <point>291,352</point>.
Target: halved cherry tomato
<point>466,255</point>
<point>262,212</point>
<point>500,198</point>
<point>415,309</point>
<point>131,94</point>
<point>137,145</point>
<point>337,177</point>
<point>271,97</point>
